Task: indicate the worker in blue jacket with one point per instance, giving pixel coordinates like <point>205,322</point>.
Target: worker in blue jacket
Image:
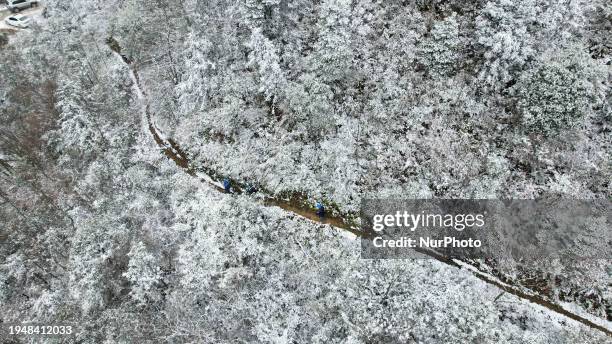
<point>227,185</point>
<point>320,209</point>
<point>250,189</point>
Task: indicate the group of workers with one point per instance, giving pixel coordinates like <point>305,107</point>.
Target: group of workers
<point>250,189</point>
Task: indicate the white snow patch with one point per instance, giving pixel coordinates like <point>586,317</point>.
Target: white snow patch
<point>208,179</point>
<point>139,94</point>
<point>347,234</point>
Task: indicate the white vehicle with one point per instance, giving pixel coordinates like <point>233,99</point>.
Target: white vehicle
<point>18,20</point>
<point>18,5</point>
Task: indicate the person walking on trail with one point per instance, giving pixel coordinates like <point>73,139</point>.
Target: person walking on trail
<point>227,185</point>
<point>320,209</point>
<point>250,189</point>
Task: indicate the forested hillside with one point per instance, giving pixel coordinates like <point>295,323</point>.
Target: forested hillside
<point>332,101</point>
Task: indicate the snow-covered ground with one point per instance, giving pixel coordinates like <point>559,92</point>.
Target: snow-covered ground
<point>145,119</point>
<point>137,250</point>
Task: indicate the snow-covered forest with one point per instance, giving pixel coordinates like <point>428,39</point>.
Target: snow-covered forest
<point>119,118</point>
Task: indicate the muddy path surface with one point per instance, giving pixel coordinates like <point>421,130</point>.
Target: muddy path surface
<point>299,206</point>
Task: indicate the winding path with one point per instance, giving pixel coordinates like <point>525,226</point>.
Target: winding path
<point>173,151</point>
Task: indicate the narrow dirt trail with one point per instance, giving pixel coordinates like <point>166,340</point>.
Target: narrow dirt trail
<point>173,151</point>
